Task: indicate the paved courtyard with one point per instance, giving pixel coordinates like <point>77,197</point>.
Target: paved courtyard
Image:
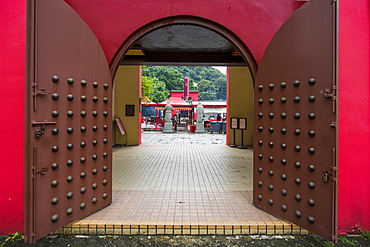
<point>182,137</point>
<point>182,183</point>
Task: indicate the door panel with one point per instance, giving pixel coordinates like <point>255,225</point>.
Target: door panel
<point>295,134</point>
<point>69,121</point>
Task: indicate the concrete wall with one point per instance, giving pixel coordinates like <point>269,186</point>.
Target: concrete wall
<point>127,90</point>
<point>240,103</point>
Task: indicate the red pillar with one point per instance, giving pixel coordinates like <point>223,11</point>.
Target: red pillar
<point>12,98</point>
<point>354,116</point>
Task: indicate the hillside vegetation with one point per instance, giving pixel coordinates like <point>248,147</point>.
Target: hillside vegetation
<point>158,81</point>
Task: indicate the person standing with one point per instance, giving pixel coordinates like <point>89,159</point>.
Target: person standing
<point>174,123</point>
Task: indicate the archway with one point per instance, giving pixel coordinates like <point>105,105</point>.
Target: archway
<point>232,52</point>
<point>258,228</point>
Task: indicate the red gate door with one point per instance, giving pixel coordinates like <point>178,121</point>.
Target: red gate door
<point>295,121</point>
<point>68,173</point>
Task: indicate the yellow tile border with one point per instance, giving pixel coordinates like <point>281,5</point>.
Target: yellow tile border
<point>101,225</point>
<point>181,227</point>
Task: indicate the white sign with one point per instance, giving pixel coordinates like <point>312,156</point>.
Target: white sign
<point>242,123</point>
<point>234,123</point>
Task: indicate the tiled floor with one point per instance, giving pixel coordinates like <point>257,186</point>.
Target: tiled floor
<point>189,187</point>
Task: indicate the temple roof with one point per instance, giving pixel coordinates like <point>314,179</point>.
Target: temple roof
<point>175,101</point>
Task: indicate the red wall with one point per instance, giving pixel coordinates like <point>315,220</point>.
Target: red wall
<point>113,23</point>
<point>194,95</point>
<point>177,94</point>
<point>354,116</point>
<point>12,74</point>
<point>255,22</point>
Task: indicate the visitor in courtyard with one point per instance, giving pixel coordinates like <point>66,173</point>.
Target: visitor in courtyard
<point>174,123</point>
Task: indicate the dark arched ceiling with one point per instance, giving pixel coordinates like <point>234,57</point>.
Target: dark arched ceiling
<point>183,45</point>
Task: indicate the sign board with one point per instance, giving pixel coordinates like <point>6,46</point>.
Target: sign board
<point>234,123</point>
<point>130,110</point>
<point>242,123</point>
<point>120,126</point>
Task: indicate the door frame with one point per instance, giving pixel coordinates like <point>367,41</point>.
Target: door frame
<point>185,20</point>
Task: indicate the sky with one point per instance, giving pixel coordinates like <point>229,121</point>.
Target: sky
<point>222,69</point>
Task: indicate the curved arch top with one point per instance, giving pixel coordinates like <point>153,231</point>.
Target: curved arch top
<point>252,22</point>
<point>190,20</point>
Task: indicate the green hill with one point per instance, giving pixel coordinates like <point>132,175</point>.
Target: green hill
<point>158,81</point>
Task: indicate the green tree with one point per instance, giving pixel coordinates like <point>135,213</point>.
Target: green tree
<point>147,87</point>
<point>170,76</point>
<point>207,96</point>
<point>206,90</point>
<point>199,73</point>
<point>206,86</point>
<point>220,87</point>
<point>210,80</point>
<point>160,92</point>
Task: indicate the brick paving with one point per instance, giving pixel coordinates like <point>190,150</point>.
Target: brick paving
<point>182,183</point>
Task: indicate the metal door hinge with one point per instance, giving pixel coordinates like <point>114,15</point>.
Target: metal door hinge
<point>333,124</point>
<point>39,91</point>
<point>35,92</point>
<point>331,93</point>
<point>39,131</point>
<point>33,176</point>
<point>42,171</point>
<point>330,174</point>
<point>45,122</point>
